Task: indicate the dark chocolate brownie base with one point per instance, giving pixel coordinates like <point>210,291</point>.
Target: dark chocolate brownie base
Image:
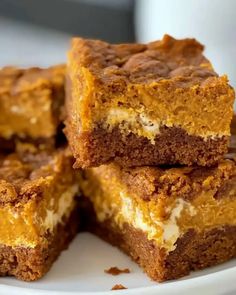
<point>30,264</point>
<point>10,145</point>
<point>232,148</point>
<point>172,146</point>
<point>193,251</point>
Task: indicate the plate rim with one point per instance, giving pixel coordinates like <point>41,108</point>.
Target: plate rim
<point>201,281</point>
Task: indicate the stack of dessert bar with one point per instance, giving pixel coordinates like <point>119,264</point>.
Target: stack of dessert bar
<point>38,186</point>
<point>150,126</point>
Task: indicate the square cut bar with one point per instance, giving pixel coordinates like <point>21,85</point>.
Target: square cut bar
<point>38,211</point>
<point>153,104</point>
<point>169,220</point>
<point>31,102</point>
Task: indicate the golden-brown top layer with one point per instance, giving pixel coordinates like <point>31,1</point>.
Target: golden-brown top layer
<point>26,175</point>
<point>135,86</point>
<point>14,80</point>
<point>165,59</point>
<point>154,182</point>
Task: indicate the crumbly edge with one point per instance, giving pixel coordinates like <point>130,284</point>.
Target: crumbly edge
<point>175,182</point>
<point>194,250</point>
<point>30,264</point>
<point>58,163</point>
<point>172,146</point>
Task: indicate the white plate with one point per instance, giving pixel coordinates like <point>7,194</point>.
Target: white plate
<point>80,270</point>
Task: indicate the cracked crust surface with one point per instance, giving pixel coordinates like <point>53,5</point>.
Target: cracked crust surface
<point>153,183</point>
<point>167,58</point>
<point>26,175</point>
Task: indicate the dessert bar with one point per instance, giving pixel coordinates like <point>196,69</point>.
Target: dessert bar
<point>169,220</point>
<point>38,211</point>
<point>31,103</point>
<point>154,104</point>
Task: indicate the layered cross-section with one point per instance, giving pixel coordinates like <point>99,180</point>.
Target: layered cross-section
<point>38,211</point>
<point>153,104</point>
<point>169,220</point>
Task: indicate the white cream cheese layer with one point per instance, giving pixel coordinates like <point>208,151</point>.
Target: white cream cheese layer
<point>126,210</point>
<point>139,123</point>
<point>131,121</point>
<point>54,217</point>
<point>25,226</point>
<point>166,232</point>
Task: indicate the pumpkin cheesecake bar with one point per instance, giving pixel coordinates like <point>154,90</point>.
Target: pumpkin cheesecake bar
<point>38,211</point>
<point>153,104</point>
<point>31,103</point>
<point>169,220</point>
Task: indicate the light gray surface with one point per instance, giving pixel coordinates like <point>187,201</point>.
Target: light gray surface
<point>111,3</point>
<point>92,19</point>
<point>27,45</point>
